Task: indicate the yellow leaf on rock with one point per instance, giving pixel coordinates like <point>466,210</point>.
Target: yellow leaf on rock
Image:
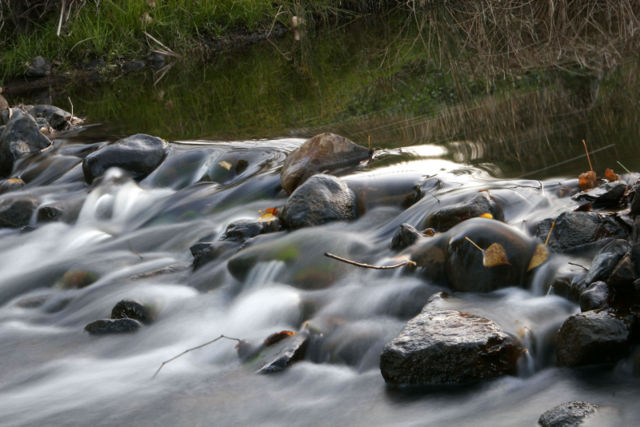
<point>539,256</point>
<point>486,215</point>
<point>494,255</point>
<point>225,165</point>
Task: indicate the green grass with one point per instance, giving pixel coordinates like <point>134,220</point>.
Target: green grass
<point>115,29</point>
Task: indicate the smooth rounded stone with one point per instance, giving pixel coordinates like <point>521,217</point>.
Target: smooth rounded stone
<point>323,152</point>
<point>448,347</point>
<point>16,212</point>
<point>579,231</point>
<point>205,252</point>
<point>245,229</point>
<point>405,236</point>
<point>595,297</point>
<point>63,210</point>
<point>137,154</point>
<point>462,263</point>
<point>568,414</point>
<point>57,118</point>
<point>447,217</point>
<point>39,67</point>
<point>606,260</point>
<point>592,337</point>
<point>621,279</point>
<point>10,184</point>
<point>321,199</point>
<point>113,326</point>
<point>19,138</point>
<point>129,309</point>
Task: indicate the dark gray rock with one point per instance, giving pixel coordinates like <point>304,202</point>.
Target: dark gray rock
<point>607,196</point>
<point>56,117</point>
<point>204,252</point>
<point>63,210</point>
<point>278,356</point>
<point>635,202</point>
<point>606,259</point>
<point>137,154</point>
<point>405,236</point>
<point>129,309</point>
<point>579,231</point>
<point>592,337</point>
<point>39,67</point>
<point>10,184</point>
<point>323,152</point>
<point>481,203</point>
<point>19,138</point>
<point>156,60</point>
<point>16,212</point>
<point>622,277</point>
<point>245,229</point>
<point>568,414</point>
<point>321,199</point>
<point>113,326</point>
<point>596,296</point>
<point>448,347</point>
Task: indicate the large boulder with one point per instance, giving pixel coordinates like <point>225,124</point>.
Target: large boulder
<point>323,152</point>
<point>567,414</point>
<point>321,199</point>
<point>592,337</point>
<point>137,154</point>
<point>19,138</point>
<point>448,347</point>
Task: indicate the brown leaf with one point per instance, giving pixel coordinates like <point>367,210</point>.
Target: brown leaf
<point>494,255</point>
<point>539,257</point>
<point>611,175</point>
<point>587,180</point>
<point>278,336</point>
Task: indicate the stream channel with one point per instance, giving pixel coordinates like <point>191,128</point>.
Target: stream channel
<point>230,124</point>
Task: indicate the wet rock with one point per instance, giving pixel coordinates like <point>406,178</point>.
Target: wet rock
<point>138,154</point>
<point>635,202</point>
<point>10,184</point>
<point>622,277</point>
<point>129,309</point>
<point>113,326</point>
<point>607,196</point>
<point>321,199</point>
<point>595,297</point>
<point>464,266</point>
<point>481,203</point>
<point>579,231</point>
<point>16,212</point>
<point>592,337</point>
<point>204,252</point>
<point>39,67</point>
<point>405,236</point>
<point>606,259</point>
<point>19,138</point>
<point>245,229</point>
<point>448,347</point>
<point>277,352</point>
<point>56,117</point>
<point>63,210</point>
<point>568,414</point>
<point>323,152</point>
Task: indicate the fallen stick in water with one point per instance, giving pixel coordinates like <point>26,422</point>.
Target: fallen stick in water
<point>191,349</point>
<point>375,267</point>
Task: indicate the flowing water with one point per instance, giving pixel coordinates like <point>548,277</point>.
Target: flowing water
<point>133,239</point>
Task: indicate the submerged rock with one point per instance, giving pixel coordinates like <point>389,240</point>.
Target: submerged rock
<point>16,212</point>
<point>245,229</point>
<point>10,184</point>
<point>321,199</point>
<point>204,252</point>
<point>276,353</point>
<point>113,326</point>
<point>448,347</point>
<point>567,414</point>
<point>137,154</point>
<point>19,138</point>
<point>482,203</point>
<point>129,309</point>
<point>592,337</point>
<point>405,236</point>
<point>323,152</point>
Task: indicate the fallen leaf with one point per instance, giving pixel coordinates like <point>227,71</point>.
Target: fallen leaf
<point>268,214</point>
<point>486,215</point>
<point>494,255</point>
<point>271,211</point>
<point>587,180</point>
<point>611,175</point>
<point>225,164</point>
<point>539,257</point>
<point>428,232</point>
